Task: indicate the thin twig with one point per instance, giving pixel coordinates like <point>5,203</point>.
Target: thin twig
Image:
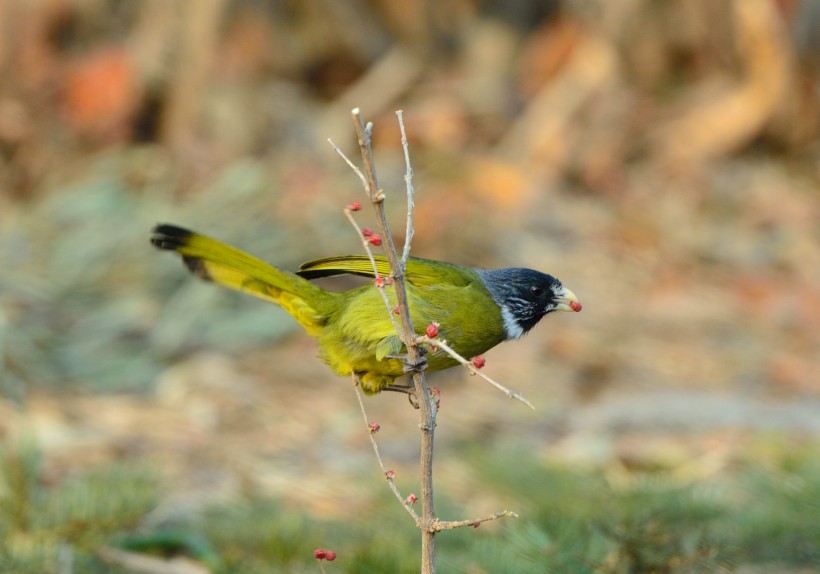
<point>370,255</point>
<point>440,344</point>
<point>373,442</point>
<point>350,164</point>
<point>445,525</point>
<point>408,182</point>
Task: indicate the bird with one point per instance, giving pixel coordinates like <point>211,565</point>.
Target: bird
<point>474,309</point>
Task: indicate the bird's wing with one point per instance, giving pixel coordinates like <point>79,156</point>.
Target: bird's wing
<point>343,265</point>
<point>419,272</point>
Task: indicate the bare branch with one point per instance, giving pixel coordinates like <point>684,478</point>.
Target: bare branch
<point>408,182</point>
<point>440,344</point>
<point>440,525</point>
<point>352,165</point>
<point>428,523</point>
<point>373,442</point>
<point>427,411</point>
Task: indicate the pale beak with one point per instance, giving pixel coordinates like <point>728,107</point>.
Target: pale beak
<point>568,302</point>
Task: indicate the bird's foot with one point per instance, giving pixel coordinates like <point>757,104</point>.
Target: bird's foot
<point>409,391</point>
<point>416,366</point>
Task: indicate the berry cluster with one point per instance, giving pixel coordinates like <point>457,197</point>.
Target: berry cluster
<point>320,554</point>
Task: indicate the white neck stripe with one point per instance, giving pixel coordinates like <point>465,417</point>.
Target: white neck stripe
<point>511,326</point>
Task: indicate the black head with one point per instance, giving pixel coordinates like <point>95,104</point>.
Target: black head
<point>524,296</point>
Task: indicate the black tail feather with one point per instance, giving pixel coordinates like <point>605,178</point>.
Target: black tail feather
<point>169,237</point>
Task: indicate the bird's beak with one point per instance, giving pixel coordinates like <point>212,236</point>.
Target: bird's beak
<point>568,302</point>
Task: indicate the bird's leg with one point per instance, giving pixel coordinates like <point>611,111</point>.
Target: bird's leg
<point>416,366</point>
<point>408,390</point>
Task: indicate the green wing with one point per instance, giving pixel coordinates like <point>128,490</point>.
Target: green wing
<point>419,272</point>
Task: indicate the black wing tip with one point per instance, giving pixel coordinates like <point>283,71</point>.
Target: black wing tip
<point>307,270</point>
<point>169,237</point>
<point>314,274</point>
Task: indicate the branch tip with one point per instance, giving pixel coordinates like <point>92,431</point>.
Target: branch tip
<point>442,344</point>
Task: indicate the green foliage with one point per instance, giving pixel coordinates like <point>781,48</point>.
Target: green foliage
<point>20,469</point>
<point>650,523</point>
<point>85,299</point>
<point>269,537</point>
<point>40,525</point>
<point>777,510</point>
<point>573,522</point>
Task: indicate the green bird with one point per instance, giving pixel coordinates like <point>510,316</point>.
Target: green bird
<point>476,309</point>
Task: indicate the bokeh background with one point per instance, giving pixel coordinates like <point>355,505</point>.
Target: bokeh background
<point>660,157</point>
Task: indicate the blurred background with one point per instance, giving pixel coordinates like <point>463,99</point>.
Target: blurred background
<point>661,157</point>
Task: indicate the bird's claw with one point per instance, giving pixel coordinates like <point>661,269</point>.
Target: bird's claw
<point>416,366</point>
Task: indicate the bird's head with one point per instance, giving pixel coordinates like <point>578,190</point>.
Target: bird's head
<point>525,295</point>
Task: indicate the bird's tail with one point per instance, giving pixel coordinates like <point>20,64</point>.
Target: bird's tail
<point>224,265</point>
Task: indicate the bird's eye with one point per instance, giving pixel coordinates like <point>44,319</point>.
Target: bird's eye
<point>537,290</point>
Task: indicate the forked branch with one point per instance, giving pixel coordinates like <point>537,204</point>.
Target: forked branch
<point>427,523</point>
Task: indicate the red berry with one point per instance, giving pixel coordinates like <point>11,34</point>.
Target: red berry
<point>390,475</point>
<point>367,232</point>
<point>374,427</point>
<point>379,281</point>
<point>331,556</point>
<point>478,361</point>
<point>412,499</point>
<point>319,554</point>
<point>436,391</point>
<point>396,310</point>
<point>432,330</point>
<point>375,239</point>
<point>354,206</point>
<point>575,306</point>
<point>388,281</point>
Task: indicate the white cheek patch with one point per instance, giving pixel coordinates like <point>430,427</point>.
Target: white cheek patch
<point>511,326</point>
